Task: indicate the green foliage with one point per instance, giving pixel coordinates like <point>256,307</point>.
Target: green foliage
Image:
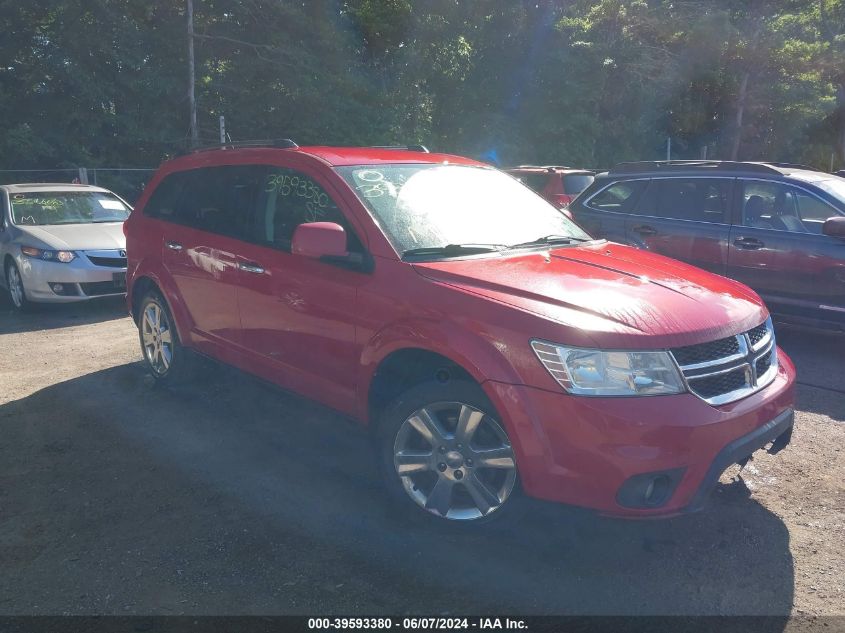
<point>582,82</point>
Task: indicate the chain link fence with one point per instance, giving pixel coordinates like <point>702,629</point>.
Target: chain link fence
<point>127,182</point>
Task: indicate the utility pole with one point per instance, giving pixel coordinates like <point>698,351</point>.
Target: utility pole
<point>669,148</point>
<point>222,130</point>
<point>192,102</point>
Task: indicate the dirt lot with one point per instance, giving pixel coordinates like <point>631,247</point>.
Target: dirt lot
<point>230,497</point>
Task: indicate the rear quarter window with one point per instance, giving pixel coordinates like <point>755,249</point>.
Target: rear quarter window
<point>619,197</point>
<point>214,199</point>
<point>164,201</point>
<point>574,184</point>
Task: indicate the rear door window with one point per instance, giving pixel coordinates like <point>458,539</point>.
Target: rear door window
<point>695,199</point>
<point>620,197</point>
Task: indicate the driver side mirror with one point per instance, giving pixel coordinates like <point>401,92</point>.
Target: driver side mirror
<point>319,239</point>
<point>834,227</point>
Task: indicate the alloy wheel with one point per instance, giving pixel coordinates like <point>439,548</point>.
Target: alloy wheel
<point>16,291</point>
<point>455,461</point>
<point>157,337</point>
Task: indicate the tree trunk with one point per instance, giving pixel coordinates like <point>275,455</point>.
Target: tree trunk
<point>740,114</point>
<point>192,103</point>
<point>840,97</point>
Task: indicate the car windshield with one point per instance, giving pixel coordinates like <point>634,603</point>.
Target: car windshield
<point>431,206</point>
<point>39,208</point>
<point>833,186</point>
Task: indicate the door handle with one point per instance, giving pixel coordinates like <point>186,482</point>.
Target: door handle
<point>250,267</point>
<point>173,246</point>
<point>645,229</point>
<point>749,243</point>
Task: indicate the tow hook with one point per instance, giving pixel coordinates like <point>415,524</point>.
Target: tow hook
<point>780,442</point>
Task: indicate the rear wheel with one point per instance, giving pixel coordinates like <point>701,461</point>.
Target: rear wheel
<point>164,355</point>
<point>445,456</point>
<point>14,282</point>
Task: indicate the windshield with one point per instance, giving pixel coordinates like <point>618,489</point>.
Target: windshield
<point>431,206</point>
<point>833,186</point>
<point>39,208</point>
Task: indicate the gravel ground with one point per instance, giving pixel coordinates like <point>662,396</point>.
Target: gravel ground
<point>231,497</point>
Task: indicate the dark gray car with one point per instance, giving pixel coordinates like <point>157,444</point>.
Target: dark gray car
<point>775,227</point>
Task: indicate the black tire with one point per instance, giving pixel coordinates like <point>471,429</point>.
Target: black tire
<point>168,361</point>
<point>443,401</point>
<point>18,300</point>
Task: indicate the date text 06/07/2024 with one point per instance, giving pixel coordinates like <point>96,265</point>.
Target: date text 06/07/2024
<point>417,623</point>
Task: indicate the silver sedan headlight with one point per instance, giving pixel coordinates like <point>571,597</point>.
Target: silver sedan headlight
<point>65,257</point>
<point>595,372</point>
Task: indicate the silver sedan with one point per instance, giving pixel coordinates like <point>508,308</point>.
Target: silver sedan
<point>61,243</point>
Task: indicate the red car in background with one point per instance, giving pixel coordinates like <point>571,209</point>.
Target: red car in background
<point>492,346</point>
<point>558,185</point>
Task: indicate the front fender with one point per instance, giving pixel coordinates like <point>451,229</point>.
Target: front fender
<point>481,357</point>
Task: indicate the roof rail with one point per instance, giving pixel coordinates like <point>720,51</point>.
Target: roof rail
<point>280,143</point>
<point>412,148</point>
<point>546,167</point>
<point>661,165</point>
<point>790,166</point>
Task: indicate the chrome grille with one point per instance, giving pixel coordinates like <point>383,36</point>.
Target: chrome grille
<point>731,368</point>
<point>757,334</point>
<point>713,386</point>
<point>706,351</point>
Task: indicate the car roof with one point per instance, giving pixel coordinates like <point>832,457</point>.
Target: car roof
<point>699,167</point>
<point>558,169</point>
<point>338,156</point>
<point>34,187</point>
<point>332,156</point>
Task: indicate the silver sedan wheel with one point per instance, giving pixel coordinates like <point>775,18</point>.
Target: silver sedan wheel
<point>455,461</point>
<point>16,291</point>
<point>157,338</point>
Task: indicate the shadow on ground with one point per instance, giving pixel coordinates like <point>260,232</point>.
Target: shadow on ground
<point>233,498</point>
<point>48,316</point>
<point>818,356</point>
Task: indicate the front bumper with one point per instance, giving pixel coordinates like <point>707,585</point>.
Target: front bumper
<point>80,280</point>
<point>584,451</point>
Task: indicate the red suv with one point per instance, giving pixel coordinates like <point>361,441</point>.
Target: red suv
<point>558,185</point>
<point>489,343</point>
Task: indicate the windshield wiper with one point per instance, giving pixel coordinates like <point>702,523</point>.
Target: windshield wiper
<point>454,250</point>
<point>552,239</point>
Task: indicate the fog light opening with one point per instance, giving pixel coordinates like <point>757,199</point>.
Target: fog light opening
<point>655,492</point>
<point>62,288</point>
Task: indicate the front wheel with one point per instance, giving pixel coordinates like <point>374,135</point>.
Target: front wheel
<point>444,454</point>
<point>14,282</point>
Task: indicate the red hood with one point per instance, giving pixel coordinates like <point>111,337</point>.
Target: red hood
<point>615,294</point>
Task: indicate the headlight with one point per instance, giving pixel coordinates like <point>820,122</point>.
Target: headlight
<point>64,257</point>
<point>593,372</point>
